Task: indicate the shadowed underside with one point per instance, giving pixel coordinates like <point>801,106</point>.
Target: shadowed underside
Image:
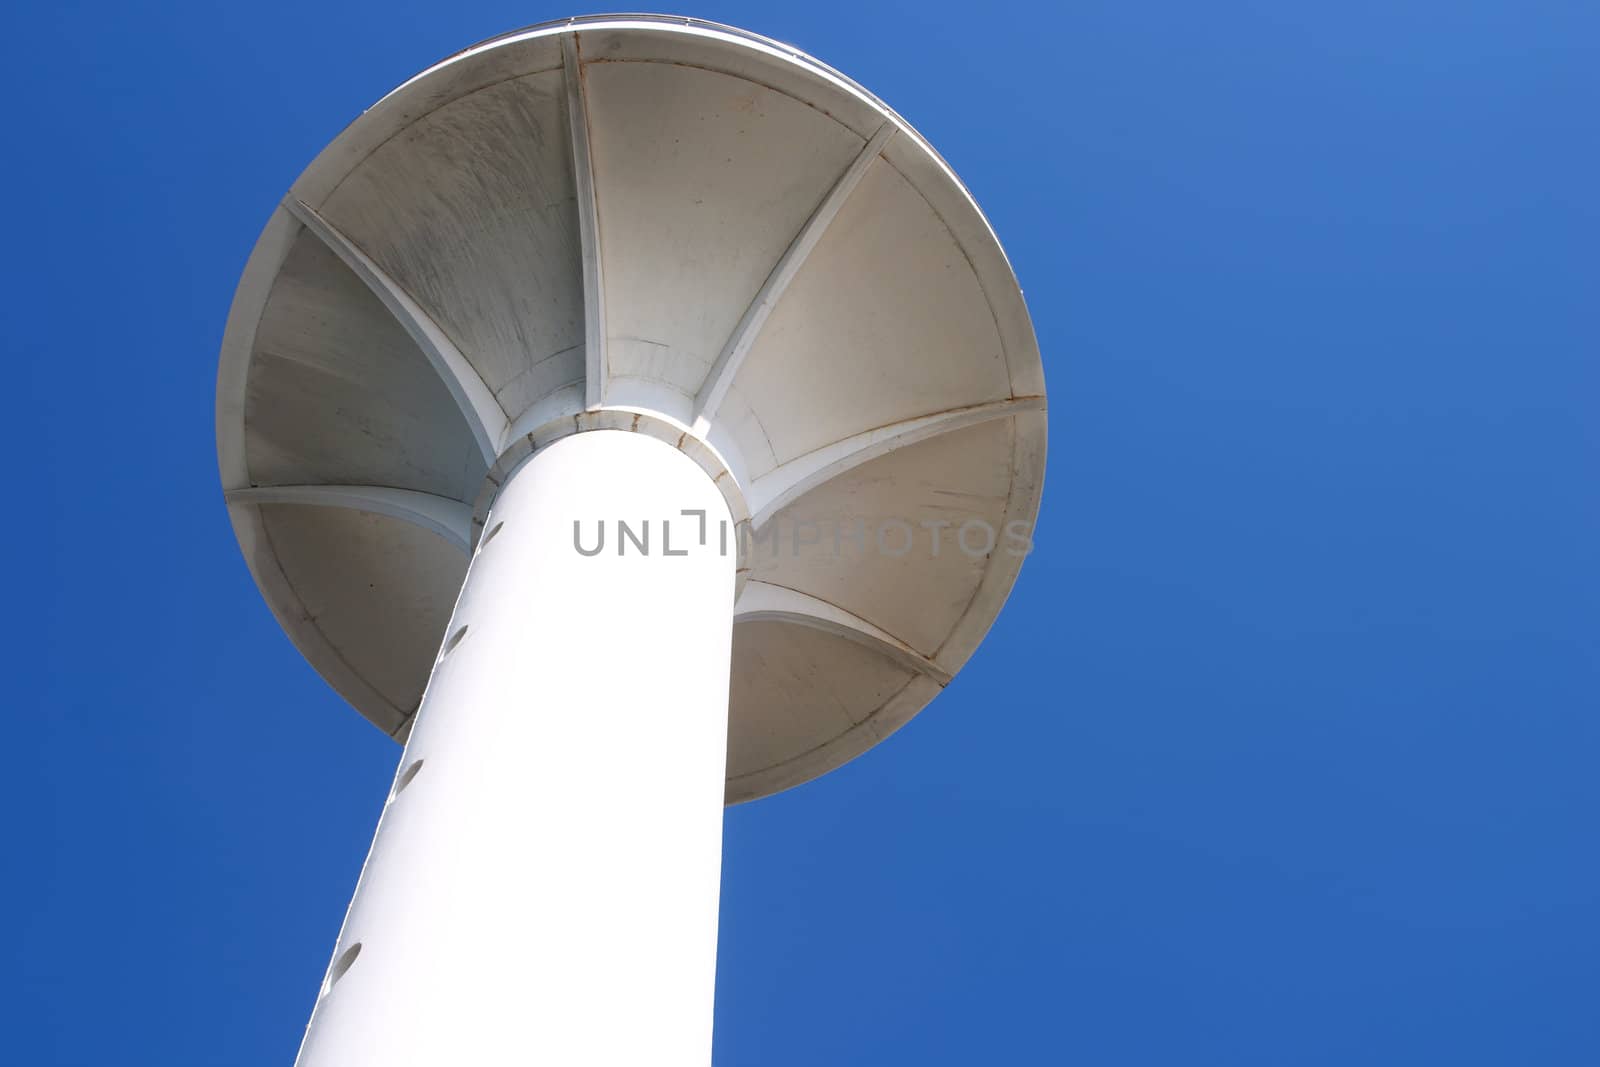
<point>639,215</point>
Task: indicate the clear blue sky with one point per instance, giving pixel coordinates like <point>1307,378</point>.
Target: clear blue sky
<point>1284,751</point>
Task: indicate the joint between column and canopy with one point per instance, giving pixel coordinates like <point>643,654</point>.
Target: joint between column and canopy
<point>627,420</point>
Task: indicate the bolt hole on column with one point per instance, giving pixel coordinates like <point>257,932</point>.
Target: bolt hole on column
<point>406,777</point>
<point>341,967</point>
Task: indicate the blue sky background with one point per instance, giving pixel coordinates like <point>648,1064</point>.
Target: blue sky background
<point>1285,749</point>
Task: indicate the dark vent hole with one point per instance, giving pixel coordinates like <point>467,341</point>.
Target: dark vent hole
<point>341,966</point>
<point>406,776</point>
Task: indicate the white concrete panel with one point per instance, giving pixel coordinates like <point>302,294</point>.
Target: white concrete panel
<point>476,402</point>
<point>471,208</point>
<point>313,411</point>
<point>261,557</point>
<point>462,74</point>
<point>895,575</point>
<point>726,368</point>
<point>796,688</point>
<point>885,322</point>
<point>838,750</point>
<point>921,166</point>
<point>377,589</point>
<point>703,181</point>
<point>1029,445</point>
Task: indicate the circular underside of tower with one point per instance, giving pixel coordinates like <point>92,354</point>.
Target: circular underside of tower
<point>641,223</point>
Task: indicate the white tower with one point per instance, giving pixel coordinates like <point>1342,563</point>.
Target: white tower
<point>678,287</point>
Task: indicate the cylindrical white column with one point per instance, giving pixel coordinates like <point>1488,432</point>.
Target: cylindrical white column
<point>542,888</point>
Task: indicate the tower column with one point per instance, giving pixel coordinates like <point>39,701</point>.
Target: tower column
<point>543,884</point>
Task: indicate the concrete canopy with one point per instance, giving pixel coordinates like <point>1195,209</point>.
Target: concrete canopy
<point>583,222</point>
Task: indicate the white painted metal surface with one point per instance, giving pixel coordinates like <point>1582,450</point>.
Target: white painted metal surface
<point>543,884</point>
